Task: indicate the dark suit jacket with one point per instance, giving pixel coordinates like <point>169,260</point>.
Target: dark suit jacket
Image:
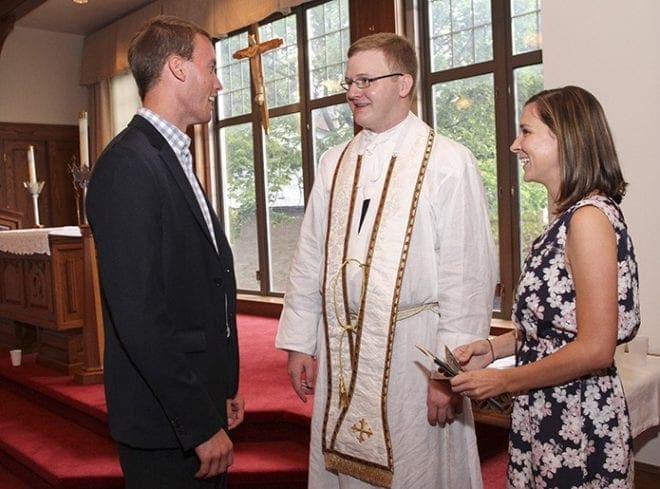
<point>167,297</point>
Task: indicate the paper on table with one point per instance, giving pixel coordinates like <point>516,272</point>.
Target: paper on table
<point>506,362</point>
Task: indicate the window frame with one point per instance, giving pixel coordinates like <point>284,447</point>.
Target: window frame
<point>502,66</point>
<point>305,107</point>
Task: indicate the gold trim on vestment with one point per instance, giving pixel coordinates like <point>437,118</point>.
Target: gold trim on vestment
<point>379,474</point>
<point>371,474</point>
<point>358,327</point>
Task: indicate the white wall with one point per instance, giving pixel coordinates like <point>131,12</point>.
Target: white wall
<point>610,47</point>
<point>39,73</point>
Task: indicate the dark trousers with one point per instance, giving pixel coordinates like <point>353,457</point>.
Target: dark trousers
<point>164,469</point>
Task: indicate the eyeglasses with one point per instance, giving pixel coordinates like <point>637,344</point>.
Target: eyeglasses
<point>363,82</point>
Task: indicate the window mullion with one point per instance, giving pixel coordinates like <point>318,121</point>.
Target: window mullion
<point>259,145</point>
<point>306,109</point>
<point>507,174</point>
<point>425,82</point>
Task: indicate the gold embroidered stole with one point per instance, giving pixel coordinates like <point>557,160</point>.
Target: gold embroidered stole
<point>356,438</point>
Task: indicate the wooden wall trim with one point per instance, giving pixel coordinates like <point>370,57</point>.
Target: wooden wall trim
<point>270,307</point>
<point>51,132</point>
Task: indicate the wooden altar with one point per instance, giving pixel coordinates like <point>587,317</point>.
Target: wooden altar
<point>42,287</point>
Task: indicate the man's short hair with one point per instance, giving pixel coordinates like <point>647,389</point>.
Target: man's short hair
<point>398,51</point>
<point>159,38</point>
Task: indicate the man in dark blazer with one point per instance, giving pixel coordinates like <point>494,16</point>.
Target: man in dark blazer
<point>167,278</point>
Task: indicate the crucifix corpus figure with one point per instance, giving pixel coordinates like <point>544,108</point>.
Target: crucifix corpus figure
<point>253,52</point>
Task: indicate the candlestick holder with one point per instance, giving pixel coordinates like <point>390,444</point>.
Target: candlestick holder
<point>34,189</point>
<point>80,176</point>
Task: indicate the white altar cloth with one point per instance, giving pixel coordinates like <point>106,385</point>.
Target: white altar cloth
<point>641,385</point>
<point>33,241</point>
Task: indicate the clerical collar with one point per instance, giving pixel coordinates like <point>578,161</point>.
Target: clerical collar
<point>372,140</point>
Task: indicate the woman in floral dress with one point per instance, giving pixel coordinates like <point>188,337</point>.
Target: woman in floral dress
<point>577,298</point>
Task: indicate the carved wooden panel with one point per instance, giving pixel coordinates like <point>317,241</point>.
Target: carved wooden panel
<point>42,290</point>
<point>69,282</point>
<point>38,288</point>
<point>12,292</point>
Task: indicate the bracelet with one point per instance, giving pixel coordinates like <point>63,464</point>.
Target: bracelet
<point>492,352</point>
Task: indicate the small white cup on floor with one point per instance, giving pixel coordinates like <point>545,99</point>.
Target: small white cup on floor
<point>638,349</point>
<point>15,357</point>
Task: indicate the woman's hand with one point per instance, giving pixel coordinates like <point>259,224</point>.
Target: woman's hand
<point>475,355</point>
<point>480,384</point>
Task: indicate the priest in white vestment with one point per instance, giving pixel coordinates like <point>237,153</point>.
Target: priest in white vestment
<point>395,251</point>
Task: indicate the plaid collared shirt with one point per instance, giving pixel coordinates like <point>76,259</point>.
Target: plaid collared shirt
<point>180,143</point>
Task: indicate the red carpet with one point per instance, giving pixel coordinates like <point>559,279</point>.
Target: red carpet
<point>53,432</point>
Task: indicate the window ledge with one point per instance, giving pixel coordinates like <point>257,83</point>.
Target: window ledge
<point>260,305</point>
<point>269,306</point>
<point>500,326</point>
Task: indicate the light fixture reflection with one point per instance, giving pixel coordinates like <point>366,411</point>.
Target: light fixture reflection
<point>80,1</point>
<point>462,102</point>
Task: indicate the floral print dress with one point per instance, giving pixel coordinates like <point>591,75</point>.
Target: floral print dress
<point>575,435</point>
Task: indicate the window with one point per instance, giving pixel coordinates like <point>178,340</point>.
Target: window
<point>266,176</point>
<point>480,61</point>
<point>124,100</point>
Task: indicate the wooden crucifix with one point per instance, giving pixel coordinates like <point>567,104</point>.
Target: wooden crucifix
<point>253,52</point>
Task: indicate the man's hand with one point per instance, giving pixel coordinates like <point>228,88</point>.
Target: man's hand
<point>442,404</point>
<point>235,410</point>
<point>215,455</point>
<point>302,373</point>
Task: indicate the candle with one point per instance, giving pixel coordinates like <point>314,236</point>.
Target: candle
<point>84,143</point>
<point>32,169</point>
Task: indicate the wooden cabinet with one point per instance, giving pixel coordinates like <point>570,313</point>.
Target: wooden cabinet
<point>44,290</point>
<point>54,148</point>
<point>47,293</point>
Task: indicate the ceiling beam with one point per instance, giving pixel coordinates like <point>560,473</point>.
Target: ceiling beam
<point>18,8</point>
<point>10,12</point>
